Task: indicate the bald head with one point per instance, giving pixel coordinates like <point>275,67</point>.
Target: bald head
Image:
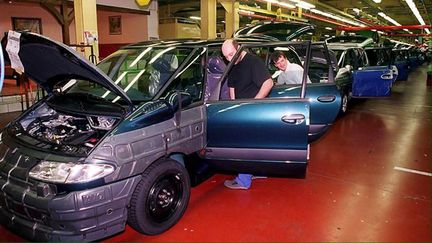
<point>229,48</point>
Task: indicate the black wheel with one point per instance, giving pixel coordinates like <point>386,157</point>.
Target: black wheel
<point>160,198</point>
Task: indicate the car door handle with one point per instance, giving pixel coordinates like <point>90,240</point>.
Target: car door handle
<point>293,118</point>
<point>387,76</point>
<point>326,98</point>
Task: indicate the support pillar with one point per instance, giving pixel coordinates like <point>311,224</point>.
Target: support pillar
<point>86,26</point>
<point>231,16</point>
<point>208,19</point>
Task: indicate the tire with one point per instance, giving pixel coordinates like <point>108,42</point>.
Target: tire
<point>160,198</point>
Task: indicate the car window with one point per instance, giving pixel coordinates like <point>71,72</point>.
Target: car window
<point>378,57</point>
<point>349,58</point>
<point>362,58</point>
<point>320,67</point>
<point>191,79</point>
<point>140,72</point>
<point>265,51</point>
<point>292,57</point>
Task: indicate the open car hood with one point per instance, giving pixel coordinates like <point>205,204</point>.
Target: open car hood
<point>283,31</point>
<point>50,63</point>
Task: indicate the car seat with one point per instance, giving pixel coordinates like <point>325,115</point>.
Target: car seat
<point>159,75</point>
<point>215,69</point>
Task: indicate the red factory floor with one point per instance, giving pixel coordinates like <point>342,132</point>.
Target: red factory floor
<point>363,184</point>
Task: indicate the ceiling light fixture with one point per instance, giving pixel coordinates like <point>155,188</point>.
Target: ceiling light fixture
<point>416,13</point>
<point>282,4</point>
<point>286,5</point>
<point>389,19</point>
<point>328,28</point>
<point>303,4</point>
<point>377,1</point>
<point>246,12</point>
<point>333,16</point>
<point>383,15</point>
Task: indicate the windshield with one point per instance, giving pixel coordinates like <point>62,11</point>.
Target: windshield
<point>140,72</point>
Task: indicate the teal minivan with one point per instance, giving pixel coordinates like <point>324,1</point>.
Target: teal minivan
<point>124,141</point>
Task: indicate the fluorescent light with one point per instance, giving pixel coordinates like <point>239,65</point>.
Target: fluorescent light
<point>328,28</point>
<point>305,5</point>
<point>389,19</point>
<point>247,12</point>
<point>377,1</point>
<point>415,11</point>
<point>195,17</point>
<point>286,5</point>
<point>336,17</point>
<point>282,4</point>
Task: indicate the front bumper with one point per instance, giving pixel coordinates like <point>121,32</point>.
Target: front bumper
<point>85,215</point>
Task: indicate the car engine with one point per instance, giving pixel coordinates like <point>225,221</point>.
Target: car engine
<point>48,125</point>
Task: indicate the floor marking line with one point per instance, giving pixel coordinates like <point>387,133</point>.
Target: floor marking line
<point>412,171</point>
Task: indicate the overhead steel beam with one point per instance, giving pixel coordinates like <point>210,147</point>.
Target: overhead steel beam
<point>264,11</point>
<point>257,16</point>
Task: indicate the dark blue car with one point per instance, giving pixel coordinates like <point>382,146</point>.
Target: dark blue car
<point>357,77</point>
<point>124,141</point>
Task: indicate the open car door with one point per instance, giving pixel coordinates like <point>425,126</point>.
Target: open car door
<point>322,93</point>
<point>382,57</point>
<point>372,82</point>
<point>2,68</point>
<point>259,136</point>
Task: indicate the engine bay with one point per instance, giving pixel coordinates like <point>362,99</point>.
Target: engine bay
<point>66,132</point>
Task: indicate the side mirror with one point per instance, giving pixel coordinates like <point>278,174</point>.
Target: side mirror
<point>178,99</point>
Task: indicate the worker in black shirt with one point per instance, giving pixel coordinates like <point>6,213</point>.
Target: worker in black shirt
<point>248,79</point>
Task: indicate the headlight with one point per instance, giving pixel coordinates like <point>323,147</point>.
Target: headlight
<point>68,173</point>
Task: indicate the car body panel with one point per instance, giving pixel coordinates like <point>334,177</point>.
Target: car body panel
<point>372,82</point>
<point>243,118</point>
<point>324,99</point>
<point>356,41</point>
<point>245,139</point>
<point>382,57</point>
<point>358,77</point>
<point>283,31</point>
<point>58,63</point>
